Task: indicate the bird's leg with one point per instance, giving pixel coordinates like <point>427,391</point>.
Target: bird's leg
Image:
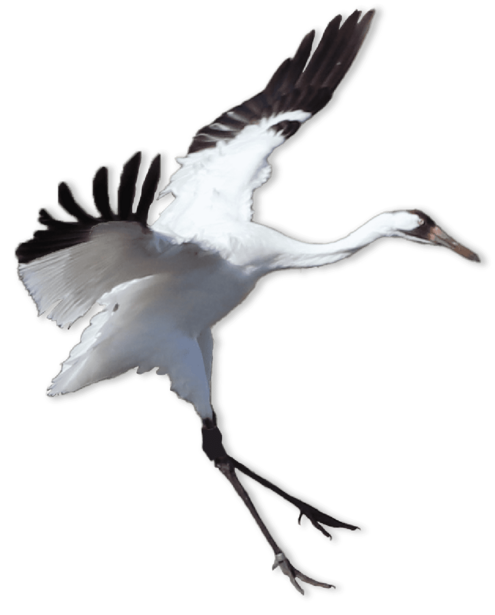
<point>316,517</point>
<point>313,514</point>
<point>214,449</point>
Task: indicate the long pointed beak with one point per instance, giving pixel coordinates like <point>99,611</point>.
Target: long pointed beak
<point>440,238</point>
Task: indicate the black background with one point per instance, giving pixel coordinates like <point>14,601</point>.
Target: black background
<point>359,387</point>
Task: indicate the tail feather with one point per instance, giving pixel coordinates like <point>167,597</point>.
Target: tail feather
<point>133,331</point>
<point>110,345</point>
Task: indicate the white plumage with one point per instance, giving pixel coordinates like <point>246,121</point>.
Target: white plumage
<point>163,287</point>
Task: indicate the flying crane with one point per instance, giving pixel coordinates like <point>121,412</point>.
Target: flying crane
<point>163,286</point>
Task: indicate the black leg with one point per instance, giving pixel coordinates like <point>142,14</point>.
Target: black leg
<point>313,514</point>
<point>213,447</point>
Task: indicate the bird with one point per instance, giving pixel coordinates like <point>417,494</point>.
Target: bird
<point>163,286</point>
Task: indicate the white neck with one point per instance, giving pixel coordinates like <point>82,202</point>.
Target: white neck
<point>290,253</point>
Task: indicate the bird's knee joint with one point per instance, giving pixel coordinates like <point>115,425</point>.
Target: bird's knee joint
<point>212,443</point>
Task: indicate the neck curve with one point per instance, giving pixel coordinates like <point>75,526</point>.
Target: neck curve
<point>297,254</point>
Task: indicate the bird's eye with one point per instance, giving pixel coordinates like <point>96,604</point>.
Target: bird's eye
<point>420,221</point>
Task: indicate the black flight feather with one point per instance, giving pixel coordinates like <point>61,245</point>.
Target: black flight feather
<point>127,187</point>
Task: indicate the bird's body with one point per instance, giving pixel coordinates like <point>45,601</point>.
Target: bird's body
<point>173,287</point>
<point>163,287</point>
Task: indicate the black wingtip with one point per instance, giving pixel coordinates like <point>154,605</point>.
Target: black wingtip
<point>148,190</point>
<point>305,82</point>
<point>126,190</point>
<point>100,194</point>
<point>68,202</point>
<point>60,234</point>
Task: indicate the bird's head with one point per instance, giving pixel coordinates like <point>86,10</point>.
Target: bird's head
<point>415,225</point>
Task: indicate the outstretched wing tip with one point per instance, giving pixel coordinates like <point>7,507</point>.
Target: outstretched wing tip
<point>60,234</point>
<point>299,88</point>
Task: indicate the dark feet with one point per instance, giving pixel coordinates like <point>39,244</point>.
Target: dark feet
<point>317,517</point>
<point>282,561</point>
<point>214,449</point>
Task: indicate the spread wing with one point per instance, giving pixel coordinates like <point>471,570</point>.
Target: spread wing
<point>227,159</point>
<point>68,266</point>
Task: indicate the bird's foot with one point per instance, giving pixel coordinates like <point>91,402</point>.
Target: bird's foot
<point>317,518</point>
<point>288,569</point>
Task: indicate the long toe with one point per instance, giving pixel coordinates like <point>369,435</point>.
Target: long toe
<point>317,518</point>
<point>282,562</point>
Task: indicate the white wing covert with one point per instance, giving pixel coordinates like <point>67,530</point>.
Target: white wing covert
<point>227,160</point>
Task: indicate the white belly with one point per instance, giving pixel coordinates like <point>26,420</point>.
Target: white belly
<point>201,289</point>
